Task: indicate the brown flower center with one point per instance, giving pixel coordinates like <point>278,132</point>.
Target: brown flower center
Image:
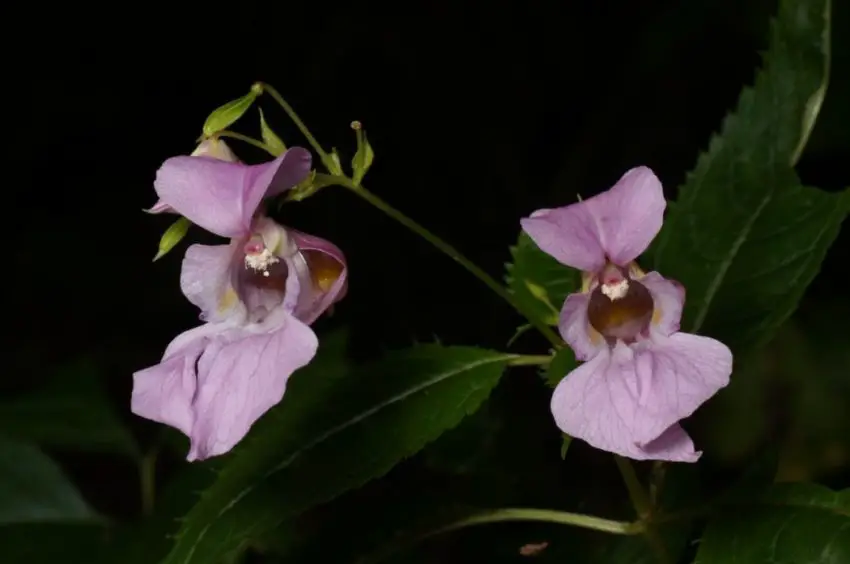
<point>620,307</point>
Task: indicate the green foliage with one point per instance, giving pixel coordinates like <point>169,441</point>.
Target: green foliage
<point>539,283</point>
<point>788,523</point>
<point>746,237</point>
<point>333,432</point>
<point>33,489</point>
<point>274,143</point>
<point>227,114</point>
<point>70,412</point>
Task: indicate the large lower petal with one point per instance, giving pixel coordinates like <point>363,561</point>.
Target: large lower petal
<point>323,272</point>
<point>222,196</point>
<point>597,403</point>
<point>205,279</point>
<point>241,376</point>
<point>575,327</point>
<point>675,375</point>
<point>668,297</point>
<point>165,392</point>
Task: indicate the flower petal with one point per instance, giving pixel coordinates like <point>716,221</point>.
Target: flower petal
<point>675,375</point>
<point>323,272</point>
<point>629,215</point>
<point>568,234</point>
<point>598,403</point>
<point>618,223</point>
<point>669,299</point>
<point>205,279</point>
<point>241,376</point>
<point>575,328</point>
<point>674,445</point>
<point>164,393</point>
<point>222,196</point>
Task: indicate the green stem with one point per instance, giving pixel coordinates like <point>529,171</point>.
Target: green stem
<point>246,139</point>
<point>530,360</point>
<point>326,159</point>
<point>643,507</point>
<point>518,514</point>
<point>147,478</point>
<point>453,253</point>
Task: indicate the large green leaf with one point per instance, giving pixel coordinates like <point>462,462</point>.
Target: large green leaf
<point>746,237</point>
<point>790,524</point>
<point>33,489</point>
<point>71,412</point>
<point>539,283</point>
<point>326,439</point>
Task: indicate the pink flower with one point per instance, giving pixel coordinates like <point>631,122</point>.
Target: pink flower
<point>258,295</point>
<point>641,376</point>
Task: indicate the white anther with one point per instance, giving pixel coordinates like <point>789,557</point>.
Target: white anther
<point>261,261</point>
<point>617,290</point>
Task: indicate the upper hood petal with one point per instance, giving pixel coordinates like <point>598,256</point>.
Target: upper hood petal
<point>617,224</point>
<point>222,196</point>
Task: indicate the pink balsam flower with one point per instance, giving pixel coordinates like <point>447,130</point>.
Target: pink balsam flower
<point>257,295</point>
<point>640,375</point>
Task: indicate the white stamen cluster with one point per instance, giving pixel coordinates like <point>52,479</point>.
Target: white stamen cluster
<point>617,290</point>
<point>261,261</point>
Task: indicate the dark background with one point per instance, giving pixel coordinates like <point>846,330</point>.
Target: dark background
<point>478,112</point>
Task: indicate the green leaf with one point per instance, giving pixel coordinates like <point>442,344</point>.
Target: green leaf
<point>539,283</point>
<point>173,235</point>
<point>224,116</point>
<point>362,160</point>
<point>333,433</point>
<point>33,489</point>
<point>70,412</point>
<point>746,238</point>
<point>562,364</point>
<point>789,523</point>
<point>275,145</point>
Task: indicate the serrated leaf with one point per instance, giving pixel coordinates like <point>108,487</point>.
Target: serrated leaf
<point>274,143</point>
<point>70,412</point>
<point>745,237</point>
<point>326,440</point>
<point>33,488</point>
<point>562,364</point>
<point>226,115</point>
<point>789,523</point>
<point>173,235</point>
<point>538,282</point>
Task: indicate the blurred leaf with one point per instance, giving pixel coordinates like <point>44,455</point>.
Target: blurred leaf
<point>58,543</point>
<point>326,440</point>
<point>539,283</point>
<point>71,412</point>
<point>226,115</point>
<point>746,238</point>
<point>789,523</point>
<point>270,138</point>
<point>33,489</point>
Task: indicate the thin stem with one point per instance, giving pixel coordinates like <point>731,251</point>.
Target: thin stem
<point>326,159</point>
<point>250,140</point>
<point>453,253</point>
<point>517,514</point>
<point>147,479</point>
<point>530,360</point>
<point>643,507</point>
